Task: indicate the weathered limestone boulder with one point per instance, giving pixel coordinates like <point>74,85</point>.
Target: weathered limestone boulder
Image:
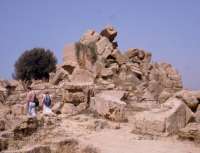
<point>27,127</point>
<point>136,55</point>
<point>190,132</point>
<point>164,95</point>
<point>147,96</point>
<point>104,47</point>
<point>69,108</point>
<point>188,98</point>
<point>169,77</point>
<point>57,108</point>
<point>78,86</point>
<point>114,67</point>
<point>102,84</point>
<point>74,97</point>
<point>69,56</point>
<point>126,79</point>
<point>119,57</point>
<point>166,76</point>
<point>109,32</point>
<point>40,85</point>
<point>155,88</point>
<point>106,73</point>
<point>109,105</point>
<point>134,67</point>
<point>90,36</point>
<point>61,74</point>
<point>82,76</point>
<point>167,120</point>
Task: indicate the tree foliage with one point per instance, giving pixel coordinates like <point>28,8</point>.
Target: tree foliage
<point>36,64</point>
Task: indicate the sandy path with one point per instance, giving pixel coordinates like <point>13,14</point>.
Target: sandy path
<point>121,141</point>
<point>109,140</point>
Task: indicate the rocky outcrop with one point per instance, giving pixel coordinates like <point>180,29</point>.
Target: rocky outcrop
<point>100,81</point>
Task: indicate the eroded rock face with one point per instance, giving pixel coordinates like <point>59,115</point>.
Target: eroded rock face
<point>76,97</point>
<point>61,74</point>
<point>136,55</point>
<point>90,36</point>
<point>109,32</point>
<point>82,76</point>
<point>109,105</point>
<point>190,132</point>
<point>164,95</point>
<point>173,116</point>
<point>188,98</point>
<point>69,51</point>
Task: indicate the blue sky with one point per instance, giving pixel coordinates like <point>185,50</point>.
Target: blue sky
<point>170,29</point>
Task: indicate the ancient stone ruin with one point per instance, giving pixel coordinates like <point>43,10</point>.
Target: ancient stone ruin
<point>99,87</point>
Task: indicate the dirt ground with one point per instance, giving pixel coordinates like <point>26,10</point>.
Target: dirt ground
<point>109,137</point>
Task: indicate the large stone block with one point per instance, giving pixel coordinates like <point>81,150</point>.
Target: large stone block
<point>172,116</point>
<point>89,37</point>
<point>109,105</point>
<point>69,56</point>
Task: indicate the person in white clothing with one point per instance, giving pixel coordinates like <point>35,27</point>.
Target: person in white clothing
<point>31,106</point>
<point>46,102</point>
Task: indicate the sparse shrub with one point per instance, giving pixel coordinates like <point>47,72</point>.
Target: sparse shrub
<point>84,51</point>
<point>36,64</point>
<point>90,149</point>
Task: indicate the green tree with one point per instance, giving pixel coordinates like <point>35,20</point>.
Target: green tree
<point>36,64</point>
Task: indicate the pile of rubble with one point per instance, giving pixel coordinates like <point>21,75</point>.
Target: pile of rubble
<point>119,86</point>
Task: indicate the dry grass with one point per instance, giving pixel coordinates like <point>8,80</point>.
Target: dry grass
<point>90,149</point>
